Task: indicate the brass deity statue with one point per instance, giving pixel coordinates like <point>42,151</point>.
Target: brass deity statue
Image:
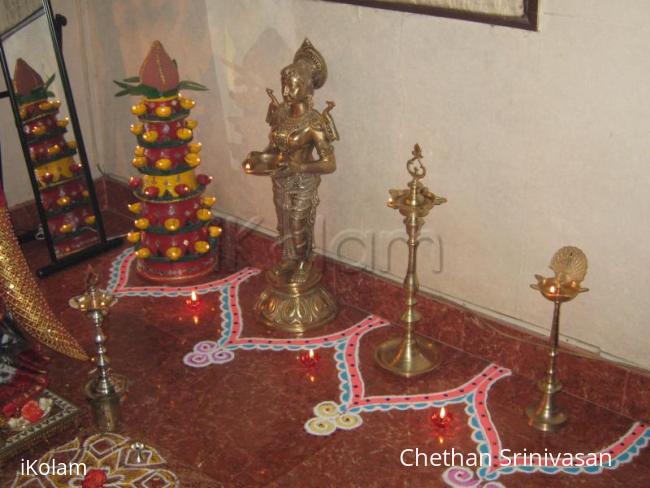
<point>295,300</point>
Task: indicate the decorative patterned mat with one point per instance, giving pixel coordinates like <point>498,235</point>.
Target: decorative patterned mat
<point>330,416</point>
<point>109,461</point>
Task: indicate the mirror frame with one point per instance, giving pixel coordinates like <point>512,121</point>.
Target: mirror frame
<point>54,24</point>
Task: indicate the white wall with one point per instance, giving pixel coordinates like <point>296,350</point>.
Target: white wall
<point>538,140</point>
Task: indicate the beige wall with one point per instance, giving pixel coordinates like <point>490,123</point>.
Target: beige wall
<point>537,139</point>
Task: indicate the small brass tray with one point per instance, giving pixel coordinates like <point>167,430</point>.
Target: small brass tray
<point>62,416</point>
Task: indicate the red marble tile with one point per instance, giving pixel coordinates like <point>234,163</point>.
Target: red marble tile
<point>241,423</point>
<point>521,351</point>
<point>600,382</point>
<point>24,217</point>
<point>118,196</point>
<point>101,191</point>
<point>636,399</point>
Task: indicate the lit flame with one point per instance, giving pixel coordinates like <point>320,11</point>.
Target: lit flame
<point>443,413</point>
<point>311,354</point>
<point>195,319</point>
<point>193,297</point>
<point>552,289</point>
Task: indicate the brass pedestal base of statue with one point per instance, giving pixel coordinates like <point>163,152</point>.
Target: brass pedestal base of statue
<point>545,416</point>
<point>106,405</point>
<point>409,356</point>
<point>295,307</point>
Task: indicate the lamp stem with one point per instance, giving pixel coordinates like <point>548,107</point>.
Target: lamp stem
<point>411,285</point>
<point>551,372</point>
<point>103,383</point>
<point>545,416</point>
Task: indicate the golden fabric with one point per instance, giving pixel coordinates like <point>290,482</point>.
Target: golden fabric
<point>23,298</point>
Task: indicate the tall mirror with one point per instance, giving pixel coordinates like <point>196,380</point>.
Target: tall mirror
<point>41,99</point>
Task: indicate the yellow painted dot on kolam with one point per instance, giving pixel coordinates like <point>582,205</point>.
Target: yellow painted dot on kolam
<point>39,130</point>
<point>184,134</point>
<point>163,164</point>
<point>172,224</point>
<point>215,231</point>
<point>187,103</point>
<point>191,123</point>
<point>142,223</point>
<point>195,147</point>
<point>56,103</point>
<point>201,247</point>
<point>90,220</point>
<point>138,151</point>
<point>133,237</point>
<point>135,207</point>
<point>348,421</point>
<point>138,109</point>
<point>63,122</point>
<point>174,253</point>
<point>204,214</point>
<point>208,201</point>
<point>139,161</point>
<point>66,228</point>
<point>45,106</point>
<point>150,136</point>
<point>326,409</point>
<point>137,129</point>
<point>163,111</point>
<point>192,159</point>
<point>72,144</point>
<point>63,201</point>
<point>319,426</point>
<point>143,253</point>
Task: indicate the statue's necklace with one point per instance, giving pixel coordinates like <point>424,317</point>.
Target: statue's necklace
<point>289,123</point>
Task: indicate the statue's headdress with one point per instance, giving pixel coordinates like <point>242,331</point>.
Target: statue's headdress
<point>308,53</point>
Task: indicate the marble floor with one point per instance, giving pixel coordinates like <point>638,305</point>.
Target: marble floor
<point>242,423</point>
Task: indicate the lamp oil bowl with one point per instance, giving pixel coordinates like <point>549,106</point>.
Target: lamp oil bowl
<point>411,355</point>
<point>570,267</point>
<point>105,390</point>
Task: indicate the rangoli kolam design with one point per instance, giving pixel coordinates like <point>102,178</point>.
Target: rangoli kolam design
<point>109,459</point>
<point>346,413</point>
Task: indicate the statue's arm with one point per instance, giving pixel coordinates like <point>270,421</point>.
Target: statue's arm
<point>267,161</point>
<point>326,162</point>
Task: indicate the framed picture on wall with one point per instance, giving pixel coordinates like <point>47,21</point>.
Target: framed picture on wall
<point>523,14</point>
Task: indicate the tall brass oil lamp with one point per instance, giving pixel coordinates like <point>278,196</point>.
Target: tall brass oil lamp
<point>105,390</point>
<point>411,355</point>
<point>570,267</point>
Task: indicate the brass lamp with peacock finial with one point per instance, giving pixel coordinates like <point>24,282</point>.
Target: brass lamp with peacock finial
<point>570,267</point>
<point>411,355</point>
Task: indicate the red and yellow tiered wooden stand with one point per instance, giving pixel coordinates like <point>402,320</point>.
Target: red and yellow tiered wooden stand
<point>175,237</point>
